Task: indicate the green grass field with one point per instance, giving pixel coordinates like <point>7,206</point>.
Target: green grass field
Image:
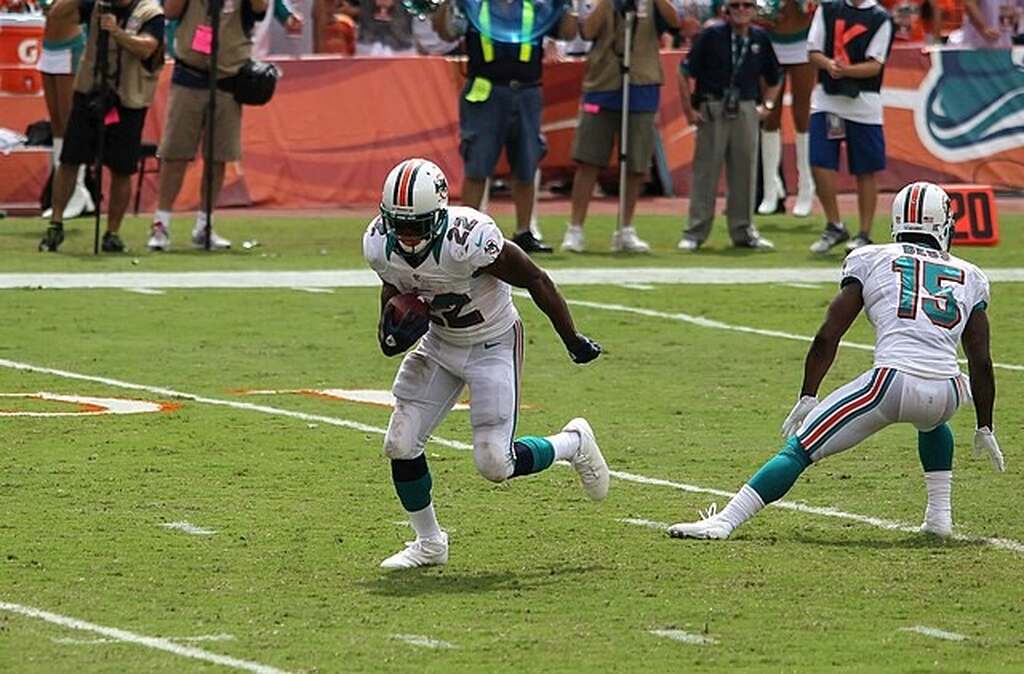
<point>302,509</point>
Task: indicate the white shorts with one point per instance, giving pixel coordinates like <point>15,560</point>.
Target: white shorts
<point>874,400</point>
<point>432,377</point>
<point>791,53</point>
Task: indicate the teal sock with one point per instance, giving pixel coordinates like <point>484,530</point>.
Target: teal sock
<point>935,448</point>
<point>777,476</point>
<point>533,455</point>
<point>412,482</point>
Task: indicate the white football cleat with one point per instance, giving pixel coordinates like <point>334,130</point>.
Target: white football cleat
<point>421,552</point>
<point>217,242</point>
<point>588,460</point>
<point>625,240</point>
<point>943,529</point>
<point>159,237</point>
<point>573,240</point>
<point>711,526</point>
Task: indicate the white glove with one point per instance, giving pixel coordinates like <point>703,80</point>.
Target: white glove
<point>985,443</point>
<point>796,416</point>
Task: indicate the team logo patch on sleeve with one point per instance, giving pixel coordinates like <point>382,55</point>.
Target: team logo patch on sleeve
<point>491,247</point>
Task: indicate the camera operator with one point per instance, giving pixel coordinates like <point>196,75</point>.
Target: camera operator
<point>735,68</point>
<point>189,98</point>
<point>133,31</point>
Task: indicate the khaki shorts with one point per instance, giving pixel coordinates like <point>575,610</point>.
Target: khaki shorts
<point>186,113</point>
<point>596,132</point>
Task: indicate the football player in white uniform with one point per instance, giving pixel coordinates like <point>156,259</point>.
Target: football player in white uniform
<point>455,259</point>
<point>921,301</point>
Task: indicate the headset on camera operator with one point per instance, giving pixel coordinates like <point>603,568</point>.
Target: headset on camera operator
<point>112,104</point>
<point>189,100</point>
<point>735,68</point>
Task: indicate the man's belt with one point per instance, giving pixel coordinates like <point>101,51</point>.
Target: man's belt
<point>516,84</point>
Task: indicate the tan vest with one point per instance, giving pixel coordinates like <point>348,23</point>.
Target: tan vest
<point>234,45</point>
<point>136,84</point>
<point>602,70</point>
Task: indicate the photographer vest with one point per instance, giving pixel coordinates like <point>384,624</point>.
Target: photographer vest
<point>235,42</point>
<point>128,75</point>
<point>848,32</point>
<point>602,69</point>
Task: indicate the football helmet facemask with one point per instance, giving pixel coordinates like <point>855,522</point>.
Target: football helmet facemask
<point>923,208</point>
<point>414,205</point>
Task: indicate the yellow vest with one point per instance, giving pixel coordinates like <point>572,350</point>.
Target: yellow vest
<point>602,69</point>
<point>136,84</point>
<point>234,47</point>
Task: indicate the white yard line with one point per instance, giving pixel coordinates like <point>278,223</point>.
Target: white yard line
<point>102,640</point>
<point>935,633</point>
<point>359,278</point>
<point>684,637</point>
<point>804,286</point>
<point>320,291</point>
<point>1002,543</point>
<point>156,643</point>
<point>425,642</point>
<point>145,291</point>
<point>189,528</point>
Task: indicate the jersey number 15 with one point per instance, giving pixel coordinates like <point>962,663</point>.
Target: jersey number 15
<point>938,302</point>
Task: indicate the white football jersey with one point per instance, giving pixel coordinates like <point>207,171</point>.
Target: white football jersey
<point>918,299</point>
<point>465,307</point>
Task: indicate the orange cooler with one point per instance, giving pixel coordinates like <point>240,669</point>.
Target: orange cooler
<point>21,42</point>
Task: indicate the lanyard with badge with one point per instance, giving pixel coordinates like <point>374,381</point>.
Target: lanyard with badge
<point>202,39</point>
<point>739,47</point>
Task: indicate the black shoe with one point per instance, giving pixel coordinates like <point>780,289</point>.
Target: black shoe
<point>112,243</point>
<point>529,243</point>
<point>833,235</point>
<point>52,239</point>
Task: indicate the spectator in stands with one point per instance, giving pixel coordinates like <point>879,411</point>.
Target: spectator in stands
<point>601,109</point>
<point>135,30</point>
<point>918,21</point>
<point>282,31</point>
<point>735,68</point>
<point>187,106</point>
<point>63,44</point>
<point>500,108</point>
<point>385,29</point>
<point>334,26</point>
<point>846,106</point>
<point>989,24</point>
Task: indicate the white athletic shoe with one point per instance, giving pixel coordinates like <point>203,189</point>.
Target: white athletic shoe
<point>588,461</point>
<point>573,240</point>
<point>710,526</point>
<point>942,529</point>
<point>217,242</point>
<point>421,552</point>
<point>159,237</point>
<point>687,245</point>
<point>625,240</point>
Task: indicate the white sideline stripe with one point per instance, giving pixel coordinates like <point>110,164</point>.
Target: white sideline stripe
<point>324,291</point>
<point>804,286</point>
<point>358,278</point>
<point>419,640</point>
<point>189,528</point>
<point>156,643</point>
<point>684,637</point>
<point>1003,543</point>
<point>88,642</point>
<point>637,286</point>
<point>145,291</point>
<point>934,632</point>
<point>650,524</point>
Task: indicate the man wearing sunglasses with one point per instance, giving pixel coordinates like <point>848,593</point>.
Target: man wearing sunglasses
<point>738,80</point>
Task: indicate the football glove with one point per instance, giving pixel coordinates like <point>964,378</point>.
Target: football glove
<point>584,350</point>
<point>796,416</point>
<point>985,443</point>
<point>397,337</point>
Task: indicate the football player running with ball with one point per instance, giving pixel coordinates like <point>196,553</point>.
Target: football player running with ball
<point>456,262</point>
<point>921,301</point>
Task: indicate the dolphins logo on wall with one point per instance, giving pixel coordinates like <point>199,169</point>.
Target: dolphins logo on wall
<point>972,103</point>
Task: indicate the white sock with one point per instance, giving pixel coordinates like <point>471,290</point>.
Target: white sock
<point>163,217</point>
<point>939,484</point>
<point>566,444</point>
<point>58,145</point>
<point>424,522</point>
<point>744,505</point>
<point>200,222</point>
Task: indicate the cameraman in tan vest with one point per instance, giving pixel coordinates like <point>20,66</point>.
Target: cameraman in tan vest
<point>134,31</point>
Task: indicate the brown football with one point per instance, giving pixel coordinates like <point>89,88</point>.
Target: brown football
<point>400,305</point>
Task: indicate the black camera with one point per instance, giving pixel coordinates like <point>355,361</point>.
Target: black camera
<point>731,102</point>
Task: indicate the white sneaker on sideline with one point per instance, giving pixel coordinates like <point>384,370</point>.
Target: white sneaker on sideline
<point>573,240</point>
<point>625,240</point>
<point>159,237</point>
<point>687,245</point>
<point>711,526</point>
<point>421,552</point>
<point>588,461</point>
<point>217,242</point>
<point>943,529</point>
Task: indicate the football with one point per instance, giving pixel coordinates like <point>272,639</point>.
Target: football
<point>404,320</point>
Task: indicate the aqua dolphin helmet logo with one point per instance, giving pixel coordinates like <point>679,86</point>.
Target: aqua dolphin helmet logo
<point>972,103</point>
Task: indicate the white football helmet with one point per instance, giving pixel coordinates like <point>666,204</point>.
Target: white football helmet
<point>923,208</point>
<point>414,203</point>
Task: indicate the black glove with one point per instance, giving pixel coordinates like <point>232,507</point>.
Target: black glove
<point>584,350</point>
<point>625,6</point>
<point>398,337</point>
